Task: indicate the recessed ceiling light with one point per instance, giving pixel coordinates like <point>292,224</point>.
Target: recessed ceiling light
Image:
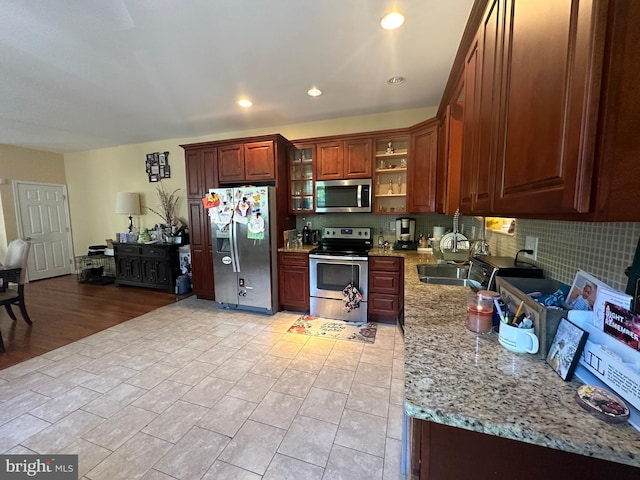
<point>314,92</point>
<point>245,102</point>
<point>396,80</point>
<point>392,20</point>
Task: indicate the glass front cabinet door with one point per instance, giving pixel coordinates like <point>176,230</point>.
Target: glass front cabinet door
<point>301,178</point>
<point>390,177</point>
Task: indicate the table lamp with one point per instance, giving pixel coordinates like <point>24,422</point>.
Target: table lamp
<point>128,203</point>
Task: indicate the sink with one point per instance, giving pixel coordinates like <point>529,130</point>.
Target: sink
<point>456,282</point>
<point>443,270</point>
<point>444,274</point>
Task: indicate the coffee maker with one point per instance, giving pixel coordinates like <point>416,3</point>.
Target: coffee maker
<point>405,234</point>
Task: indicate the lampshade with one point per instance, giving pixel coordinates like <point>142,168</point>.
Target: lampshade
<point>128,203</point>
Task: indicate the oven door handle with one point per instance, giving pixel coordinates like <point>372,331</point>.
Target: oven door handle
<point>339,257</point>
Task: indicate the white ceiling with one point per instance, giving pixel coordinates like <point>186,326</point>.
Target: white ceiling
<point>84,74</point>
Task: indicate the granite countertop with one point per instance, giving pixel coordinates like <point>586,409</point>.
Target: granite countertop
<point>297,249</point>
<point>458,378</point>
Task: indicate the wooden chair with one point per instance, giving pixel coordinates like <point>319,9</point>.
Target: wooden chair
<point>12,288</point>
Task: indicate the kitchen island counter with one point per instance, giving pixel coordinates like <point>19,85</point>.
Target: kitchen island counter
<point>458,378</point>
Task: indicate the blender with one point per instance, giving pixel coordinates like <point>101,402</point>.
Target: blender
<point>405,234</point>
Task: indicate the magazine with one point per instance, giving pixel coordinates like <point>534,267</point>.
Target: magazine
<point>615,297</point>
<point>622,324</point>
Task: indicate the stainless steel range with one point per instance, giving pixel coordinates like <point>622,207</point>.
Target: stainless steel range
<point>340,263</point>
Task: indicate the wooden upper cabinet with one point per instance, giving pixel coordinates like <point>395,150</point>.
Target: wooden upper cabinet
<point>615,192</point>
<point>469,163</point>
<point>339,159</point>
<point>358,158</point>
<point>259,161</point>
<point>231,163</point>
<point>450,153</point>
<point>421,174</point>
<point>242,162</point>
<point>480,121</point>
<point>330,160</point>
<point>552,67</point>
<point>201,172</point>
<point>532,79</point>
<point>488,89</point>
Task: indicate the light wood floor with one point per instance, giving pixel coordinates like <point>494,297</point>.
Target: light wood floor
<point>63,310</point>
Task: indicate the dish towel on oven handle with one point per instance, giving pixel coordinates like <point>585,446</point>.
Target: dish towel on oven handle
<point>352,298</point>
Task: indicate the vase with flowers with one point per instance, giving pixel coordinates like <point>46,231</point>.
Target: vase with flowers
<point>168,207</point>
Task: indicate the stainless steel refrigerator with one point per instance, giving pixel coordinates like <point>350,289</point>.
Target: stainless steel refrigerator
<point>244,247</point>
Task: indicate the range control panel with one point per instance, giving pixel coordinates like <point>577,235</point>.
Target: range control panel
<point>347,233</point>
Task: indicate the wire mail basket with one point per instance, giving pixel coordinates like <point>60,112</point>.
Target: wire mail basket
<point>96,269</point>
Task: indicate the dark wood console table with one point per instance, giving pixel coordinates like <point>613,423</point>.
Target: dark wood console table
<point>152,266</point>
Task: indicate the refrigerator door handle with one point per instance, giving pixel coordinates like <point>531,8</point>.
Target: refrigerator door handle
<point>235,257</point>
<point>232,249</point>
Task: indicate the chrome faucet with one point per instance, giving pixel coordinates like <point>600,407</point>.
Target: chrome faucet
<point>454,243</point>
<point>479,246</point>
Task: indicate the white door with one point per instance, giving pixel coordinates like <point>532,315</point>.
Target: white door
<point>43,218</point>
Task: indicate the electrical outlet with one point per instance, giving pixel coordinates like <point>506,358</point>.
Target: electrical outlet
<point>392,227</point>
<point>309,224</point>
<point>531,243</point>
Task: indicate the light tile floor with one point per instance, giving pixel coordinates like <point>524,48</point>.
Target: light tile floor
<point>190,391</point>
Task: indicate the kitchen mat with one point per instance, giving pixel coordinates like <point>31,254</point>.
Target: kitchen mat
<point>335,329</point>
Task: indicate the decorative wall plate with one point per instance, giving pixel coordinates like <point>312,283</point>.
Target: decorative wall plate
<point>602,404</point>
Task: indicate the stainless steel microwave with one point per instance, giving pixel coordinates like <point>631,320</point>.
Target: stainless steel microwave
<point>343,196</point>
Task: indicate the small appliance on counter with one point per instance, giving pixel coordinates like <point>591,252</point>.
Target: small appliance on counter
<point>484,270</point>
<point>405,234</point>
<point>310,237</point>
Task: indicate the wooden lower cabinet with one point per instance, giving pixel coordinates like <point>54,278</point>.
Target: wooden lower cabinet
<point>151,266</point>
<point>202,273</point>
<point>201,250</point>
<point>386,289</point>
<point>293,281</point>
<point>441,452</point>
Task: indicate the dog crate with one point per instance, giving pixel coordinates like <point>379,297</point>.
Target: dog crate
<point>96,269</point>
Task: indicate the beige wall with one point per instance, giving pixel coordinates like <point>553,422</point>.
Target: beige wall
<point>23,164</point>
<point>94,177</point>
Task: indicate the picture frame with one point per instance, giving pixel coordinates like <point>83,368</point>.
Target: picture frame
<point>582,295</point>
<point>566,348</point>
<point>157,166</point>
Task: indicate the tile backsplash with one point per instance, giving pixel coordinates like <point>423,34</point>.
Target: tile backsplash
<point>601,249</point>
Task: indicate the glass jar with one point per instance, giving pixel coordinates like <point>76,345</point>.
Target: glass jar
<point>479,313</point>
<point>493,297</point>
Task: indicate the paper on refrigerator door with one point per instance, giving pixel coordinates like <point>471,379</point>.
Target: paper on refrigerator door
<point>255,227</point>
